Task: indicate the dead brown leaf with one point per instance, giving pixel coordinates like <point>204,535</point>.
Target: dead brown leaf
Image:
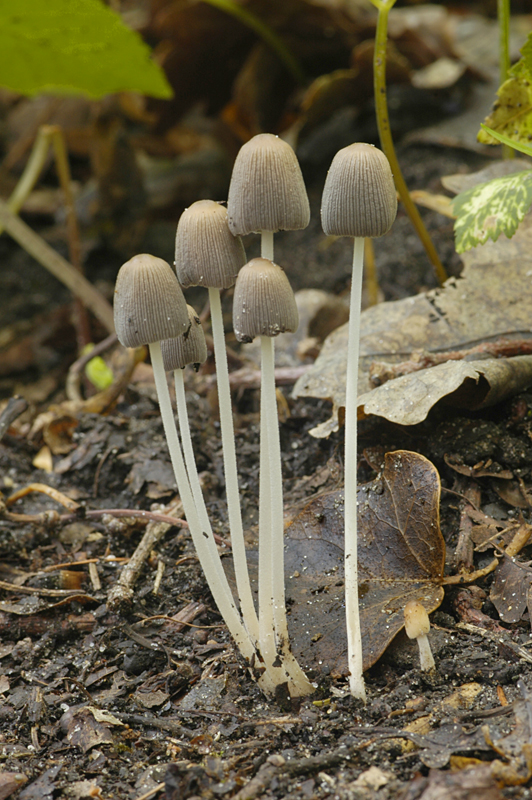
<point>401,558</point>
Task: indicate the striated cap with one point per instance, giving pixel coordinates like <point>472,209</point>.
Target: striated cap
<point>188,349</point>
<point>359,197</point>
<point>417,621</point>
<point>264,303</point>
<point>149,304</point>
<point>206,252</point>
<point>267,191</point>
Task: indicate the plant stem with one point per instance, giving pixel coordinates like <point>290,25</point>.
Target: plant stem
<point>31,173</point>
<point>503,18</point>
<point>234,512</point>
<point>81,318</point>
<point>41,251</point>
<point>354,636</point>
<point>266,33</point>
<point>383,123</point>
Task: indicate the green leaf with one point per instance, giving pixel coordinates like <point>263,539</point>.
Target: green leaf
<point>73,46</point>
<point>512,112</point>
<point>100,375</point>
<point>492,208</point>
<point>523,148</point>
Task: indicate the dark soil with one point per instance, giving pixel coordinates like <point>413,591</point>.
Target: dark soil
<point>117,700</point>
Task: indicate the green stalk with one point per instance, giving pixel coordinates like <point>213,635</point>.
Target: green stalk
<point>266,33</point>
<point>503,17</point>
<point>383,123</point>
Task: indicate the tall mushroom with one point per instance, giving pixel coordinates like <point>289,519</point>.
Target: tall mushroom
<point>359,200</point>
<point>264,306</point>
<point>149,307</point>
<point>207,254</point>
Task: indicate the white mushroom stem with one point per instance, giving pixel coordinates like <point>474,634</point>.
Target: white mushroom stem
<point>266,245</point>
<point>210,564</point>
<point>354,636</point>
<point>426,659</point>
<point>234,512</point>
<point>273,626</point>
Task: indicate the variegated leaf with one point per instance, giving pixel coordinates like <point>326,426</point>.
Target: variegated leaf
<point>492,208</point>
<point>512,112</point>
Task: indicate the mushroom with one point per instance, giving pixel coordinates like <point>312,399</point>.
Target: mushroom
<point>264,306</point>
<point>149,307</point>
<point>359,200</point>
<point>267,192</point>
<point>207,254</point>
<point>417,626</point>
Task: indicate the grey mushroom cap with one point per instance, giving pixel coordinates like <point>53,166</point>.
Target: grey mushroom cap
<point>188,349</point>
<point>359,197</point>
<point>149,304</point>
<point>267,191</point>
<point>206,252</point>
<point>264,303</point>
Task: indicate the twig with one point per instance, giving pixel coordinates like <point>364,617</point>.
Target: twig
<point>41,251</point>
<point>14,587</point>
<point>122,593</point>
<point>15,407</point>
<point>497,638</point>
<point>380,372</point>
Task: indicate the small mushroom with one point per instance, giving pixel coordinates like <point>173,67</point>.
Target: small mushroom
<point>263,303</point>
<point>188,349</point>
<point>149,304</point>
<point>417,626</point>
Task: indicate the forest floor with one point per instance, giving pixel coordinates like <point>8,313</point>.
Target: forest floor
<point>147,696</point>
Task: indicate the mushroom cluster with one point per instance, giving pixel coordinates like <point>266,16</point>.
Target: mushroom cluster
<point>266,194</point>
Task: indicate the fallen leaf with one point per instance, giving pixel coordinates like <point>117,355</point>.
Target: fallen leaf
<point>408,399</point>
<point>509,590</point>
<point>11,782</point>
<point>515,747</point>
<point>475,783</point>
<point>84,730</point>
<point>401,558</point>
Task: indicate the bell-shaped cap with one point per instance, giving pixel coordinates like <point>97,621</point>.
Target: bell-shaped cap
<point>267,191</point>
<point>188,349</point>
<point>417,621</point>
<point>264,303</point>
<point>149,304</point>
<point>206,252</point>
<point>359,197</point>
